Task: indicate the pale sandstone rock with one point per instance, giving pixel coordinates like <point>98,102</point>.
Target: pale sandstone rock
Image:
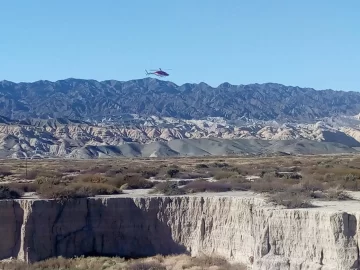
<point>239,228</point>
<point>45,137</point>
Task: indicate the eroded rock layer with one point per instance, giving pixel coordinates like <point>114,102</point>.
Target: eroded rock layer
<point>242,229</point>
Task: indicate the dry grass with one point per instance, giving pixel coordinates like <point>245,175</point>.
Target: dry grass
<point>132,181</point>
<point>168,188</point>
<point>40,172</point>
<point>176,262</point>
<point>291,199</point>
<point>75,190</point>
<point>23,186</point>
<point>205,186</point>
<point>5,171</point>
<point>310,174</point>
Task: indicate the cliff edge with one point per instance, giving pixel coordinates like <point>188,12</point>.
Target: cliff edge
<point>241,228</point>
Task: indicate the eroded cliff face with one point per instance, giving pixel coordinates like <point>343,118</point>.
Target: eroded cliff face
<point>241,229</point>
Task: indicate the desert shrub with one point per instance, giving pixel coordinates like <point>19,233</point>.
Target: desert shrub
<point>201,166</point>
<point>112,172</point>
<point>237,170</point>
<point>191,175</point>
<point>89,190</point>
<point>207,262</point>
<point>349,181</point>
<point>47,180</point>
<point>98,169</point>
<point>293,169</point>
<point>291,175</point>
<point>24,187</point>
<point>224,174</point>
<point>7,192</point>
<point>184,182</point>
<point>172,172</point>
<point>337,171</point>
<point>290,199</point>
<point>15,265</point>
<point>61,263</point>
<point>337,195</point>
<point>149,172</point>
<point>270,184</point>
<point>75,190</point>
<point>133,181</point>
<point>69,170</point>
<point>49,174</point>
<point>239,184</point>
<point>39,172</point>
<point>106,263</point>
<point>205,186</point>
<point>59,192</point>
<point>296,162</point>
<point>31,174</point>
<point>91,178</point>
<point>219,165</point>
<point>312,185</point>
<point>145,266</point>
<point>54,263</point>
<point>5,171</point>
<point>168,188</point>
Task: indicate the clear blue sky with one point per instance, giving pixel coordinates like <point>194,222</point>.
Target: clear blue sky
<point>308,43</point>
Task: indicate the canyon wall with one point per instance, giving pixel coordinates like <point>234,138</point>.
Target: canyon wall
<point>242,229</point>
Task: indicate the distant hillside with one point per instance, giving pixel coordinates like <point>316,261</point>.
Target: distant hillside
<point>93,100</point>
<point>154,136</point>
<point>180,148</point>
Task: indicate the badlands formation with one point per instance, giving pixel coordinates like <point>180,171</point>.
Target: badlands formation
<point>156,136</point>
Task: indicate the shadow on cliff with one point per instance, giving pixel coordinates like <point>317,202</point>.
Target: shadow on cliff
<point>349,231</point>
<point>124,227</point>
<point>10,231</point>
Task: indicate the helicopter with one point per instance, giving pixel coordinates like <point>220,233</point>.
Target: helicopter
<point>159,73</point>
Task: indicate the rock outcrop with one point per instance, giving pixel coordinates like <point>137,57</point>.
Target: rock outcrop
<point>243,229</point>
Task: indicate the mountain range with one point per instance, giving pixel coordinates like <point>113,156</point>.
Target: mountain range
<point>148,117</point>
<point>89,99</point>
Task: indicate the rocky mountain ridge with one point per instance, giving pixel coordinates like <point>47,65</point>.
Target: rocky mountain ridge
<point>89,99</point>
